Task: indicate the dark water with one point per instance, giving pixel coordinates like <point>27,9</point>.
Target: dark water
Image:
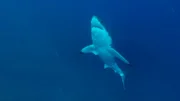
<point>40,42</point>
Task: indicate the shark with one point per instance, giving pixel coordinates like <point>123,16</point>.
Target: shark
<point>102,46</point>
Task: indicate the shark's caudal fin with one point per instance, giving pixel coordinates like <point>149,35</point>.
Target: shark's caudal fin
<point>114,53</point>
<point>120,72</point>
<point>123,80</point>
<point>89,49</point>
<point>117,70</point>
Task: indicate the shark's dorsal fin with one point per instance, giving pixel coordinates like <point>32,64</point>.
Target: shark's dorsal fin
<point>114,53</point>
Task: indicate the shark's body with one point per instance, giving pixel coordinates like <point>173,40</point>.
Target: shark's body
<point>101,46</point>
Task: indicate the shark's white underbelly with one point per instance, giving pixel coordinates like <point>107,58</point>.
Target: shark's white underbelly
<point>102,41</point>
<point>106,57</point>
<point>100,38</point>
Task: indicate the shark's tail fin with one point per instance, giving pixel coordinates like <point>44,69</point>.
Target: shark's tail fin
<point>121,73</point>
<point>123,80</point>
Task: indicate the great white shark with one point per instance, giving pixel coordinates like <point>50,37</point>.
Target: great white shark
<point>102,47</point>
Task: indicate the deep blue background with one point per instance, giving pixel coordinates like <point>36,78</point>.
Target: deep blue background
<point>40,43</point>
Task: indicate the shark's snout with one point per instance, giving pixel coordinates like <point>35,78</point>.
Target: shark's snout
<point>96,23</point>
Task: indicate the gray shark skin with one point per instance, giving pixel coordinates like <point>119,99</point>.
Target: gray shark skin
<point>101,46</point>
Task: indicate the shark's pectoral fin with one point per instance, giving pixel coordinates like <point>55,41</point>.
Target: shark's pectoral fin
<point>95,52</point>
<point>118,55</point>
<point>89,49</point>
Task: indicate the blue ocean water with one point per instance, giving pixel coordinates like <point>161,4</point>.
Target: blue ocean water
<point>40,43</point>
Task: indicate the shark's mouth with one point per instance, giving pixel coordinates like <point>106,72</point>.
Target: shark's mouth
<point>97,26</point>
